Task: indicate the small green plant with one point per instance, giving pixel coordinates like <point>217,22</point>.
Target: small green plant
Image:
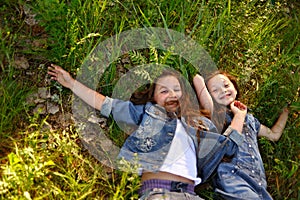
<point>125,182</point>
<point>50,165</point>
<point>12,104</point>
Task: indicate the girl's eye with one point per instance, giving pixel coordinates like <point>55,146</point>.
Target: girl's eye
<point>177,90</point>
<point>164,91</point>
<point>226,85</point>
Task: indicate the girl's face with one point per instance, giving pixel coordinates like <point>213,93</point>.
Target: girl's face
<point>222,89</point>
<point>167,93</point>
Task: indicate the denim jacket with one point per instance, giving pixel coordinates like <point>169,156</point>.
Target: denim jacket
<point>154,131</point>
<point>244,176</point>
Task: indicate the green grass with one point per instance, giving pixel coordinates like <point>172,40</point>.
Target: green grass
<point>257,41</point>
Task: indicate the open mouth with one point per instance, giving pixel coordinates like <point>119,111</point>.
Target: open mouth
<point>226,96</point>
<point>172,103</point>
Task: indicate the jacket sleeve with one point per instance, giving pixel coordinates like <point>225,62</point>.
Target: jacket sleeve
<point>212,148</point>
<point>123,112</point>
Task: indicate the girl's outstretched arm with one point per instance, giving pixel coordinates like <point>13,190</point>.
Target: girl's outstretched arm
<point>202,93</point>
<point>88,95</point>
<point>275,132</point>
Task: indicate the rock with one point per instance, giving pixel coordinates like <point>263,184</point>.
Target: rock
<point>44,93</point>
<point>21,62</point>
<point>40,109</point>
<point>52,108</point>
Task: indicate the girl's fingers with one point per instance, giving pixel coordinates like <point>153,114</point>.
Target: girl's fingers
<point>55,66</point>
<point>239,105</point>
<point>51,72</point>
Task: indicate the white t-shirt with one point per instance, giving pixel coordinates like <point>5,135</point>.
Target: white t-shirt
<point>186,164</point>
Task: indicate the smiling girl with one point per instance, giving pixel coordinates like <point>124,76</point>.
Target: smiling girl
<point>243,176</point>
<point>176,145</point>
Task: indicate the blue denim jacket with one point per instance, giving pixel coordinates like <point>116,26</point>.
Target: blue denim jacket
<point>244,176</point>
<point>154,131</point>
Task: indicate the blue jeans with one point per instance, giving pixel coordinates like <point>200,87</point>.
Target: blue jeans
<point>163,194</point>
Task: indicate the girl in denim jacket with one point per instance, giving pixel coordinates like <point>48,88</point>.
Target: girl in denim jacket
<point>176,146</point>
<point>243,177</point>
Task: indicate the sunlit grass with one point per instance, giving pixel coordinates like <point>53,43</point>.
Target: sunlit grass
<point>257,41</point>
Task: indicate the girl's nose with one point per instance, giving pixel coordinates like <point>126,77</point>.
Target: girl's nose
<point>224,90</point>
<point>172,93</point>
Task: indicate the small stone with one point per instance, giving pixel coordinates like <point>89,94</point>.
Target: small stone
<point>40,109</point>
<point>52,108</point>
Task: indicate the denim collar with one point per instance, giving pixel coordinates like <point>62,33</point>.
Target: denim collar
<point>158,112</point>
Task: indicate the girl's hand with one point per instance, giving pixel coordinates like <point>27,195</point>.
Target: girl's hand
<point>238,107</point>
<point>60,75</point>
<point>239,110</point>
<point>91,97</point>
